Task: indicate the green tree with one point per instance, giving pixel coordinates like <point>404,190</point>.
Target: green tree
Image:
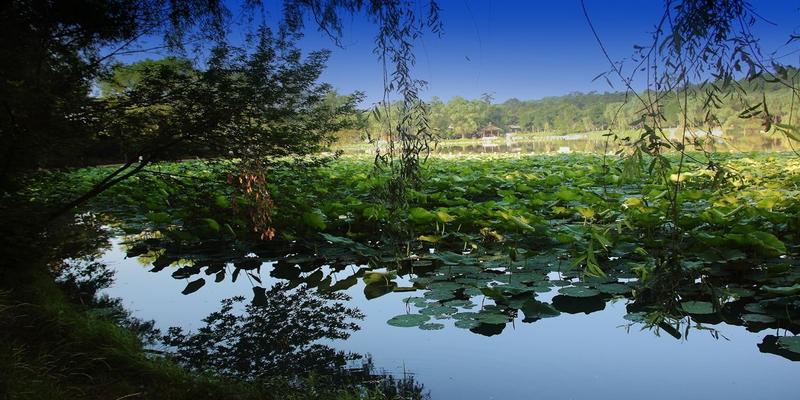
<point>245,105</point>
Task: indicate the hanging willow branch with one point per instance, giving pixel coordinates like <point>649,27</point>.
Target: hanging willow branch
<point>407,138</point>
<point>702,54</point>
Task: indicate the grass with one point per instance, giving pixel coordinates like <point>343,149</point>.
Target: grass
<point>51,349</point>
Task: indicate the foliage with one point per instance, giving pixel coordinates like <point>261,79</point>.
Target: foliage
<point>494,227</point>
<point>62,340</point>
<point>52,53</point>
<point>254,103</point>
<point>704,51</point>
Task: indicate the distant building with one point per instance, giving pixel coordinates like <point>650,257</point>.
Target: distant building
<point>514,128</point>
<point>490,131</point>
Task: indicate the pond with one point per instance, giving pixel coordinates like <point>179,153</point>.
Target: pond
<point>506,276</point>
<point>586,345</point>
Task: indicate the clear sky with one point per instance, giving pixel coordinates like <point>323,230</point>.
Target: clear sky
<point>526,49</point>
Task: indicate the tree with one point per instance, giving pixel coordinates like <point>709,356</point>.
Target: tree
<point>49,115</point>
<point>246,105</point>
<point>51,53</point>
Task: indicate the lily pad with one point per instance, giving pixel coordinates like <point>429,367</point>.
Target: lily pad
<point>755,308</point>
<point>492,318</point>
<point>613,288</point>
<point>408,320</point>
<point>739,293</point>
<point>534,310</point>
<point>465,316</point>
<point>467,324</point>
<point>459,303</point>
<point>758,318</point>
<point>438,310</point>
<point>784,290</point>
<point>697,307</point>
<point>439,295</point>
<point>417,301</point>
<point>431,327</point>
<point>445,286</point>
<point>578,291</point>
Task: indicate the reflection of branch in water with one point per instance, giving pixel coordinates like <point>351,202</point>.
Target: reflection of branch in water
<point>677,326</point>
<point>280,337</point>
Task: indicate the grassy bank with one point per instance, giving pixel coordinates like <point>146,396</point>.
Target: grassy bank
<point>56,346</point>
<point>52,349</point>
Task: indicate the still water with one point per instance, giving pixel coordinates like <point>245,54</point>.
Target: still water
<point>573,356</point>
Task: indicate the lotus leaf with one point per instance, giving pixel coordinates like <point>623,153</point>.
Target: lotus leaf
<point>697,307</point>
<point>408,320</point>
<point>578,291</point>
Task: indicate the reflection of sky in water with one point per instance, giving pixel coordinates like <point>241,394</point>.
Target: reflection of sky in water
<point>567,357</point>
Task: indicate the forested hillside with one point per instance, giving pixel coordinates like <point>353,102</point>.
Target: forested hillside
<point>581,112</point>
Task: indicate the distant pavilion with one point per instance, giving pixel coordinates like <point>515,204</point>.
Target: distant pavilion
<point>491,131</point>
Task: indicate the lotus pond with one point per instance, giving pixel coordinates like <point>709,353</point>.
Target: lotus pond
<point>504,276</point>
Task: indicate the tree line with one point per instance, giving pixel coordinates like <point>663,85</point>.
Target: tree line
<point>460,117</point>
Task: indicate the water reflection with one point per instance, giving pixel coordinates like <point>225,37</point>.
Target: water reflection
<point>547,347</point>
<point>283,333</point>
<point>280,333</point>
<point>487,292</point>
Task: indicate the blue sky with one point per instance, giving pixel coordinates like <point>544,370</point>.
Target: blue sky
<point>525,49</point>
<point>517,48</point>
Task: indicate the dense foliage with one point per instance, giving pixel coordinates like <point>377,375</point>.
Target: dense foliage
<point>459,118</point>
<point>497,227</point>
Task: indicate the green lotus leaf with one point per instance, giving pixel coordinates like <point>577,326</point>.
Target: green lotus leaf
<point>784,290</point>
<point>385,278</point>
<point>613,288</point>
<point>578,291</point>
<point>755,308</point>
<point>697,307</point>
<point>445,286</point>
<point>379,289</point>
<point>439,295</point>
<point>438,310</point>
<point>459,303</point>
<point>493,318</point>
<point>315,220</point>
<point>534,309</point>
<point>431,327</point>
<point>465,315</point>
<point>758,318</point>
<point>420,216</point>
<point>739,293</point>
<point>467,323</point>
<point>408,320</point>
<point>790,343</point>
